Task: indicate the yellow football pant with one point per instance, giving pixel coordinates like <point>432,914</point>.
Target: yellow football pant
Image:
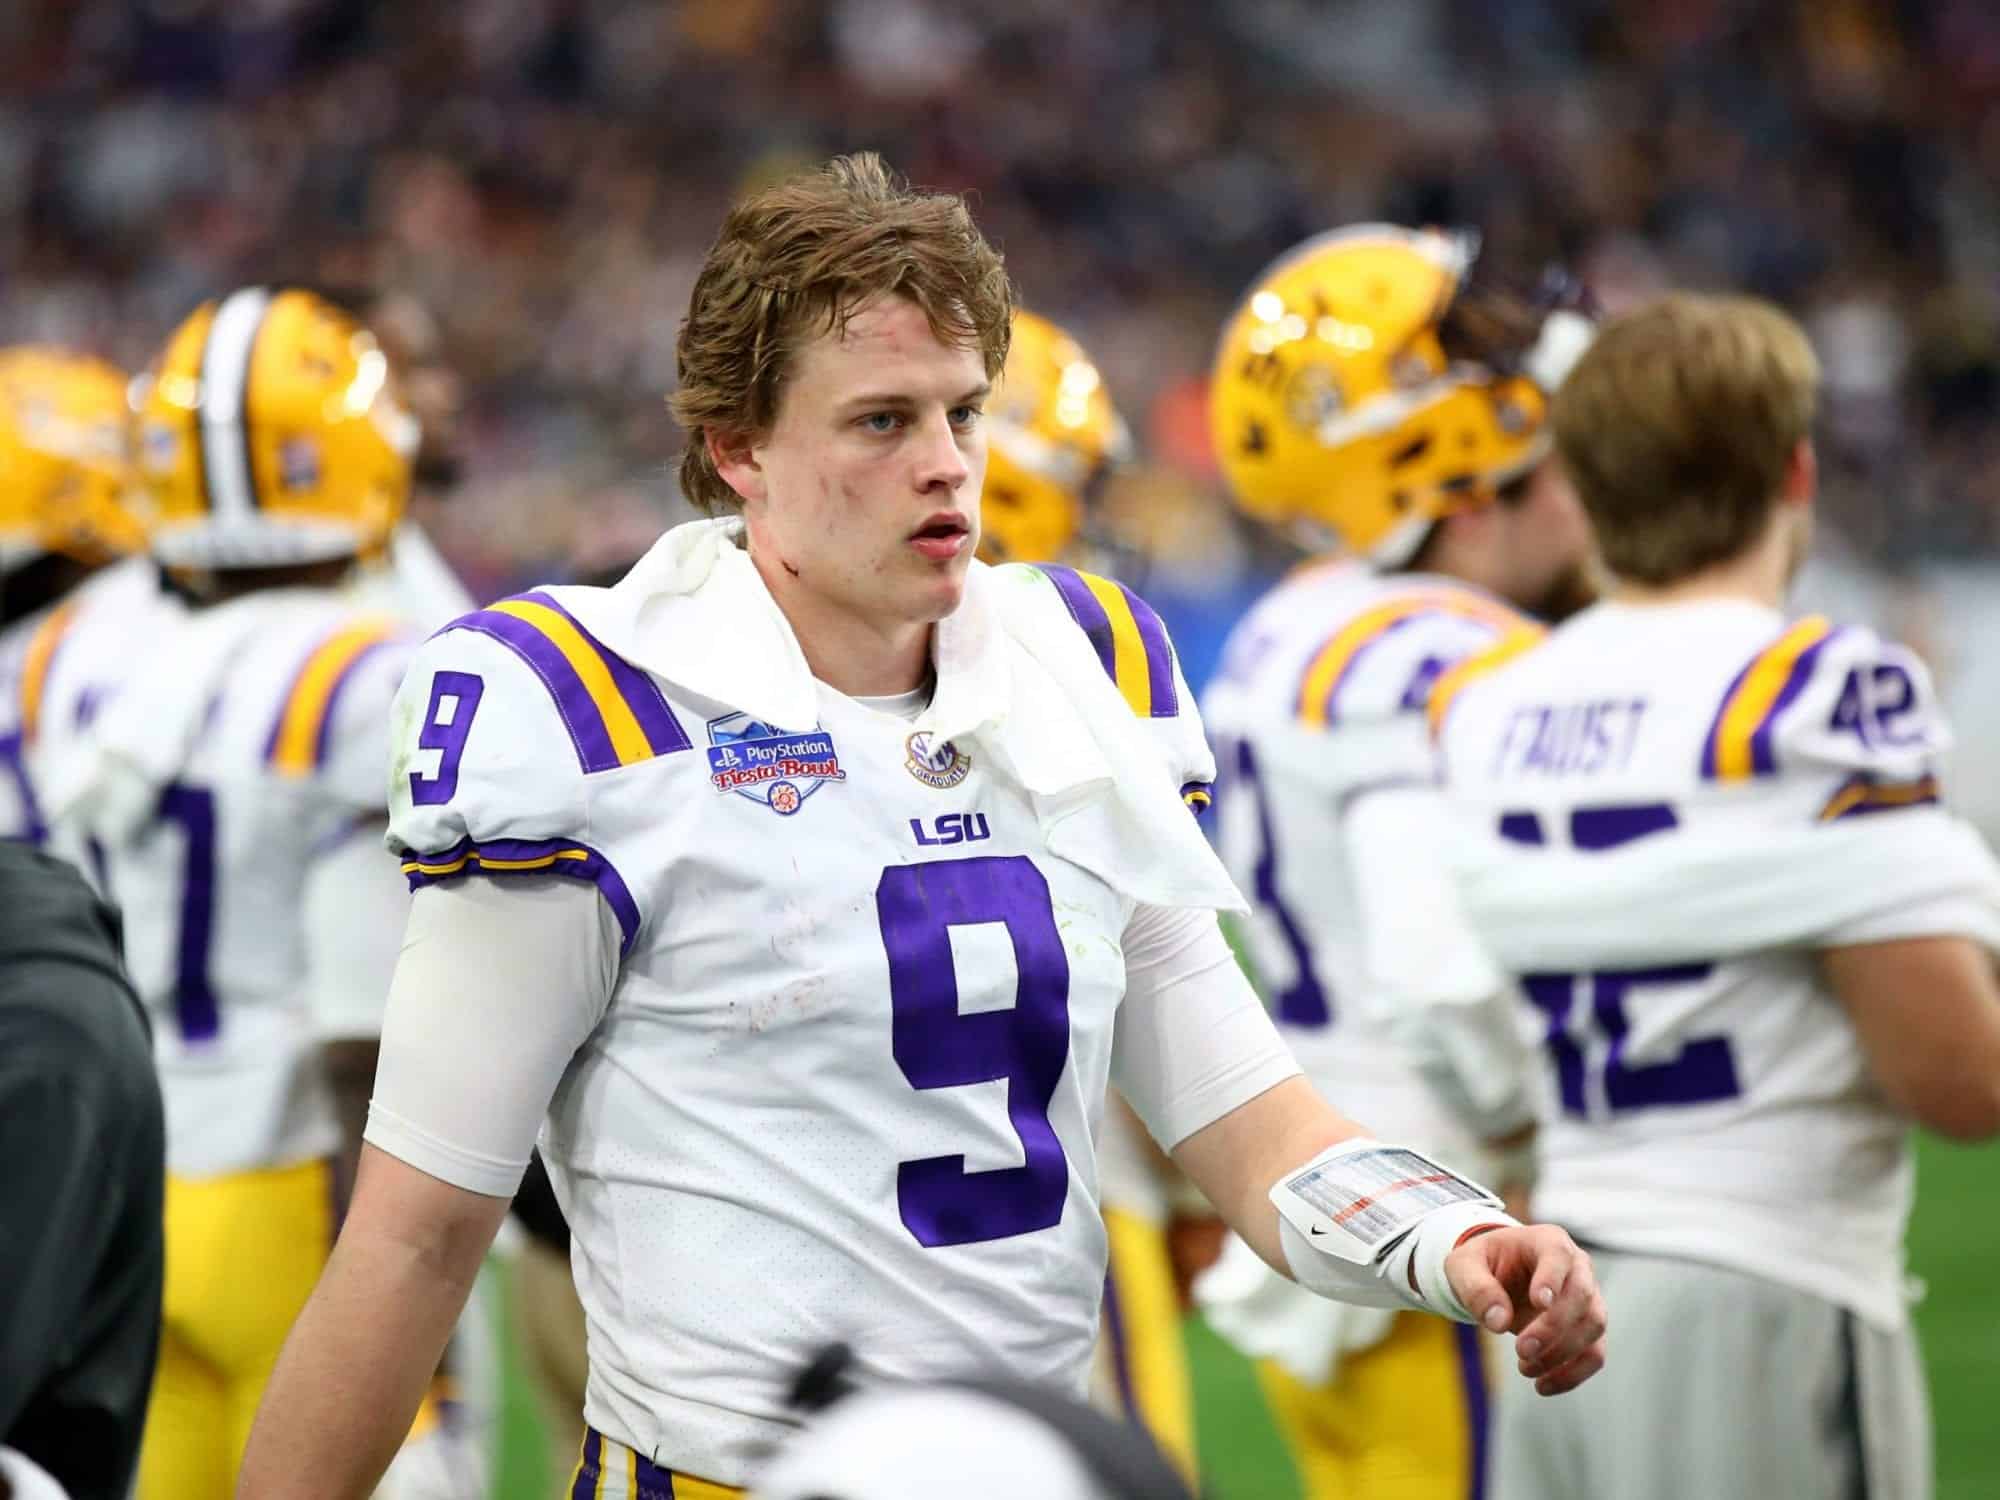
<point>1144,1337</point>
<point>243,1254</point>
<point>1403,1420</point>
<point>608,1470</point>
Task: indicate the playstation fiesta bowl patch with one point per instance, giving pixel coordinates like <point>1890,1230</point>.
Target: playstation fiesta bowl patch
<point>750,758</point>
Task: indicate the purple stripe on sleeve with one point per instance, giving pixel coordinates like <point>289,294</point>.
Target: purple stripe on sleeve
<point>1712,745</point>
<point>593,867</point>
<point>1762,760</point>
<point>1159,655</point>
<point>586,1471</point>
<point>648,704</point>
<point>1472,1372</point>
<point>579,715</point>
<point>333,695</point>
<point>1362,649</point>
<point>1087,612</point>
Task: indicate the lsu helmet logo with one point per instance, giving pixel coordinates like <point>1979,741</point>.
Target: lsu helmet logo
<point>750,758</point>
<point>936,762</point>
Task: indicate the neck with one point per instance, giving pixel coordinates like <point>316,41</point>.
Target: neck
<point>1759,576</point>
<point>849,652</point>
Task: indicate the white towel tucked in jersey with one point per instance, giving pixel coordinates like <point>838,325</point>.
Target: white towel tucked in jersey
<point>1733,890</point>
<point>1015,677</point>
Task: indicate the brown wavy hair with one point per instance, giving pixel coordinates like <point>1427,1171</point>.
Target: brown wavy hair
<point>799,259</point>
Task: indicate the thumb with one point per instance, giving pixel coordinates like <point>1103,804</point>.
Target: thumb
<point>1478,1288</point>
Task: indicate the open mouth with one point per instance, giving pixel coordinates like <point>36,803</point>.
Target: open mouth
<point>942,537</point>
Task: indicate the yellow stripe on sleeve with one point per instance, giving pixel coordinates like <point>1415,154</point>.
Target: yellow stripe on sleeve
<point>295,746</point>
<point>1128,650</point>
<point>1756,694</point>
<point>687,1487</point>
<point>540,862</point>
<point>41,653</point>
<point>1316,689</point>
<point>627,738</point>
<point>1456,679</point>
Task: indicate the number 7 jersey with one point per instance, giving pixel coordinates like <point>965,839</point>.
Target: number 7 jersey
<point>1665,811</point>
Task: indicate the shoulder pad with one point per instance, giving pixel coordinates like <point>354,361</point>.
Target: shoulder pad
<point>1133,647</point>
<point>321,694</point>
<point>1451,683</point>
<point>1382,660</point>
<point>615,714</point>
<point>1823,698</point>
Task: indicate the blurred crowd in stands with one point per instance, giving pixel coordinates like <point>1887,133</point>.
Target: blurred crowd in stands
<point>535,180</point>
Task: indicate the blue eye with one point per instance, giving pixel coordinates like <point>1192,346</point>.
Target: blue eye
<point>882,421</point>
<point>965,416</point>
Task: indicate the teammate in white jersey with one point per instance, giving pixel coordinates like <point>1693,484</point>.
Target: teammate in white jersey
<point>233,784</point>
<point>812,883</point>
<point>65,520</point>
<point>1753,943</point>
<point>1374,392</point>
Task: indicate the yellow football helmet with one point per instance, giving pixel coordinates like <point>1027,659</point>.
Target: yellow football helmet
<point>1053,436</point>
<point>1368,387</point>
<point>271,432</point>
<point>65,458</point>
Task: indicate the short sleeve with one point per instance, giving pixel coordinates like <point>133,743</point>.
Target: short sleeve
<point>1841,708</point>
<point>486,776</point>
<point>1132,644</point>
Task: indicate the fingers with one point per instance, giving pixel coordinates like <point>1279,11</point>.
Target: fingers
<point>1567,1377</point>
<point>1572,1317</point>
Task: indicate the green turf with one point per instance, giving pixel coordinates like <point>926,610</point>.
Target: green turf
<point>1954,1247</point>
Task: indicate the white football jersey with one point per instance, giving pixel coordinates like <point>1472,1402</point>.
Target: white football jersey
<point>850,1081</point>
<point>1320,700</point>
<point>246,741</point>
<point>1665,811</point>
<point>57,668</point>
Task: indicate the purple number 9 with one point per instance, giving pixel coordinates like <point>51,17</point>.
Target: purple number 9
<point>445,729</point>
<point>938,1048</point>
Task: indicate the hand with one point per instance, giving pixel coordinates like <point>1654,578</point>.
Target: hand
<point>1533,1281</point>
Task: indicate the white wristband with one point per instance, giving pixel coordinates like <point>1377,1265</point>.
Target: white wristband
<point>1420,1255</point>
<point>1366,1212</point>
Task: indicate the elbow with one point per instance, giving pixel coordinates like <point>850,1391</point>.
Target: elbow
<point>1967,1115</point>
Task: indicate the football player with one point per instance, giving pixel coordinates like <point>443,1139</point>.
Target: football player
<point>811,884</point>
<point>1754,944</point>
<point>65,520</point>
<point>1383,400</point>
<point>1053,440</point>
<point>233,783</point>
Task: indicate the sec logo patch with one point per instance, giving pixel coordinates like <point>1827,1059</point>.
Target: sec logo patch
<point>935,762</point>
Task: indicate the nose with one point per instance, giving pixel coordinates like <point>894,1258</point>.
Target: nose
<point>941,464</point>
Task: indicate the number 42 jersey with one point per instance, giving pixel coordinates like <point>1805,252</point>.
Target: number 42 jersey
<point>850,1077</point>
<point>1664,812</point>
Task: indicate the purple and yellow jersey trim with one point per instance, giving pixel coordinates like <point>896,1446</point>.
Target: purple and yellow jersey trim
<point>607,1470</point>
<point>1738,746</point>
<point>504,857</point>
<point>1862,794</point>
<point>616,715</point>
<point>1333,664</point>
<point>36,662</point>
<point>1455,680</point>
<point>1198,795</point>
<point>1128,636</point>
<point>297,743</point>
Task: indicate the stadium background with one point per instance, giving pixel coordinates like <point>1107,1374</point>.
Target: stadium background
<point>538,178</point>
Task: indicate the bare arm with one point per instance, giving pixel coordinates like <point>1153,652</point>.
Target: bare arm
<point>1928,1013</point>
<point>1236,1160</point>
<point>353,1371</point>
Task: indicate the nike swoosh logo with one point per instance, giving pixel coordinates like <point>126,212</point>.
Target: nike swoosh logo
<point>1315,1229</point>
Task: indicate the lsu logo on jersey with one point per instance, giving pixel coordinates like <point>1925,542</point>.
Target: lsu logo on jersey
<point>935,762</point>
<point>750,758</point>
